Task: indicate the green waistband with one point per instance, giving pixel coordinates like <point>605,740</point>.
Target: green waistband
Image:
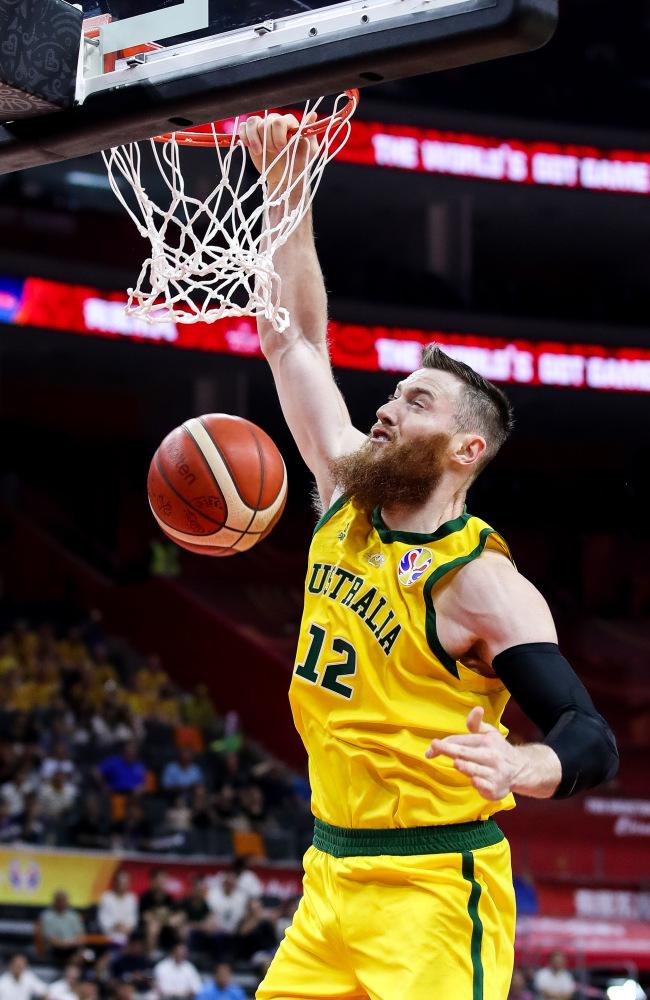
<point>342,843</point>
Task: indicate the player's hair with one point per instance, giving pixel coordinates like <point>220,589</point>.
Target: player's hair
<point>482,407</point>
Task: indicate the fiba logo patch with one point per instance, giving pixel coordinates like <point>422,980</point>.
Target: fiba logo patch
<point>413,565</point>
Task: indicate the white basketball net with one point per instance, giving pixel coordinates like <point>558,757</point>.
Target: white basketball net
<point>213,258</point>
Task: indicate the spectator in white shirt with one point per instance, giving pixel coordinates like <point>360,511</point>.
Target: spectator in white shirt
<point>19,982</point>
<point>59,760</point>
<point>65,988</point>
<point>247,881</point>
<point>175,977</point>
<point>15,792</point>
<point>554,981</point>
<point>117,913</point>
<point>227,901</point>
<point>56,797</point>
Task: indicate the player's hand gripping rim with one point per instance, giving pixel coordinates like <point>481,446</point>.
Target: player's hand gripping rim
<point>267,138</point>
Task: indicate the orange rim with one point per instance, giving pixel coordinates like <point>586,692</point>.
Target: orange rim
<point>203,136</point>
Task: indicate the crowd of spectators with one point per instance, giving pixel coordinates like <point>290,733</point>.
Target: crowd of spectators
<point>202,970</point>
<point>102,750</point>
<point>154,946</point>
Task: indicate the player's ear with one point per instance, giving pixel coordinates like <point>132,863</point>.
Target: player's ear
<point>468,449</point>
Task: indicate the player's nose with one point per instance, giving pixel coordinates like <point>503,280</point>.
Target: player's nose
<point>385,417</point>
<point>386,413</point>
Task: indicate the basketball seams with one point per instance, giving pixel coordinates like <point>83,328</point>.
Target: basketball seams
<point>211,534</point>
<point>163,475</point>
<point>255,510</point>
<point>278,503</point>
<point>233,479</point>
<point>260,455</point>
<point>207,466</point>
<point>252,511</point>
<point>229,489</point>
<point>223,458</point>
<point>260,451</point>
<point>284,476</point>
<point>224,538</point>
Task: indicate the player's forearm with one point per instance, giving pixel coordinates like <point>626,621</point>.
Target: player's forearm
<point>303,289</point>
<point>538,772</point>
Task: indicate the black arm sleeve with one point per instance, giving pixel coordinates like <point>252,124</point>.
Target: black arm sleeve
<point>546,688</point>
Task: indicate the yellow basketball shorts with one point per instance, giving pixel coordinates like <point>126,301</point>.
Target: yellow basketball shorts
<point>419,914</point>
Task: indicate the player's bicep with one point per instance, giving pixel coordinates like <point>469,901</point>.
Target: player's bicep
<point>522,616</point>
<point>314,408</point>
<point>499,608</point>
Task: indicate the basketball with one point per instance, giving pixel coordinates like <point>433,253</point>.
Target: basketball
<point>217,485</point>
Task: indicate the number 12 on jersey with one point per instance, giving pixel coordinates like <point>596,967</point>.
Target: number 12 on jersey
<point>328,676</point>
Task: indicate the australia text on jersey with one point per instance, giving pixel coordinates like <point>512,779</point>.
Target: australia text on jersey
<point>341,585</point>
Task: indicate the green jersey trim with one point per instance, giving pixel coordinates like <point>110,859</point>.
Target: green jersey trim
<point>430,627</point>
<point>416,537</point>
<point>403,841</point>
<point>331,511</point>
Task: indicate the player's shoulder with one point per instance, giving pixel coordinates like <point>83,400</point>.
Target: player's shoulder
<point>492,585</point>
<point>492,572</point>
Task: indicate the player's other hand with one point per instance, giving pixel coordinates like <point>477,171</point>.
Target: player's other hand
<point>267,138</point>
<point>483,754</point>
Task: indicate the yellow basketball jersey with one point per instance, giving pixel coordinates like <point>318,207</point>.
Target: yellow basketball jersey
<point>372,685</point>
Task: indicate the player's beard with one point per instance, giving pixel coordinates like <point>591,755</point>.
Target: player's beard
<point>400,473</point>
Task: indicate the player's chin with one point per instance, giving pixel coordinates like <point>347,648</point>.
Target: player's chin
<point>379,444</point>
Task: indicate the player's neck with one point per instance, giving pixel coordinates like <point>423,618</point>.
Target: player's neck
<point>425,518</point>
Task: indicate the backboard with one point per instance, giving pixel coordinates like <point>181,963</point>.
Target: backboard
<point>145,66</point>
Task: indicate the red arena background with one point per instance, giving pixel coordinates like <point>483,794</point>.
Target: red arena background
<point>54,305</point>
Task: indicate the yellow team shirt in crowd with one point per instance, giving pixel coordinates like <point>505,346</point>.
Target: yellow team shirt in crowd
<point>372,684</point>
<point>72,651</point>
<point>34,694</point>
<point>150,680</point>
<point>8,663</point>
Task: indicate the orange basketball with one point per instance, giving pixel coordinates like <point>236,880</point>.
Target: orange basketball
<point>217,485</point>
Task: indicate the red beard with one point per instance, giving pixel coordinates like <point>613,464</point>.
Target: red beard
<point>394,474</point>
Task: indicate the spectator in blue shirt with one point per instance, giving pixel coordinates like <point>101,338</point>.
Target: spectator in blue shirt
<point>123,773</point>
<point>182,774</point>
<point>221,987</point>
<point>525,894</point>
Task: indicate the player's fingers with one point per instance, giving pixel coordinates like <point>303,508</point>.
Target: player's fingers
<point>481,755</point>
<point>472,769</point>
<point>471,740</point>
<point>450,748</point>
<point>279,128</point>
<point>474,719</point>
<point>475,723</point>
<point>486,789</point>
<point>276,135</point>
<point>254,134</point>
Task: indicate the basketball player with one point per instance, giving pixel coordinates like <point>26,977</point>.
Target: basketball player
<point>417,628</point>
